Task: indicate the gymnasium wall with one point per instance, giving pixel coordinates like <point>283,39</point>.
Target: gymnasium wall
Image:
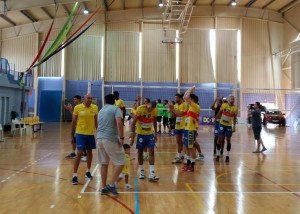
<point>10,100</point>
<point>117,34</point>
<point>119,40</point>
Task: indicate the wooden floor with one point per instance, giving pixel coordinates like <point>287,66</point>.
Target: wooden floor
<point>35,177</point>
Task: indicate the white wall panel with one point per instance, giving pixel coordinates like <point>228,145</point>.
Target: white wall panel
<point>20,50</point>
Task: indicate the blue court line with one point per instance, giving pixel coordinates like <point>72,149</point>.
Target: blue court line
<point>136,196</point>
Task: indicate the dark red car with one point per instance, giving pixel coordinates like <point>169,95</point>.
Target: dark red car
<point>274,116</point>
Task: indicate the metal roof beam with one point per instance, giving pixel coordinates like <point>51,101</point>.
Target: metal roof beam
<point>28,15</point>
<point>268,4</point>
<point>8,19</point>
<point>24,5</point>
<point>249,4</point>
<point>288,6</point>
<point>66,9</point>
<point>47,12</point>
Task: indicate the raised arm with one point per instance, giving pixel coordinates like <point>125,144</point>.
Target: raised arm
<point>213,106</point>
<point>187,97</point>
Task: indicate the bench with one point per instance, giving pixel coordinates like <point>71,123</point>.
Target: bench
<point>33,122</point>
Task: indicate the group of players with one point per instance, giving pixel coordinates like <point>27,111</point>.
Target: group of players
<point>185,113</point>
<point>145,118</point>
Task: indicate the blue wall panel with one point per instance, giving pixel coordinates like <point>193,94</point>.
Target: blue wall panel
<point>49,84</point>
<point>50,106</point>
<point>80,87</point>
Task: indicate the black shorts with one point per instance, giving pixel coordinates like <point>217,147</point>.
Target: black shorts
<point>172,120</point>
<point>249,119</point>
<point>159,119</point>
<point>256,132</point>
<point>165,121</point>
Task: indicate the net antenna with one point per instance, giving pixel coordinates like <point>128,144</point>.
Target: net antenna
<point>176,16</point>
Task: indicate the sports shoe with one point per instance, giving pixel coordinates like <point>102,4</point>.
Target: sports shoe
<point>128,186</point>
<point>159,132</point>
<point>227,159</point>
<point>75,180</point>
<point>83,158</point>
<point>112,190</point>
<point>88,175</point>
<point>142,174</point>
<point>176,160</point>
<point>264,149</point>
<point>104,191</point>
<point>153,177</point>
<point>185,161</point>
<point>200,157</point>
<point>71,155</point>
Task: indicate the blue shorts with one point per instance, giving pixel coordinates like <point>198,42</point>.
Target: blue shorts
<point>225,131</point>
<point>143,141</point>
<point>85,141</point>
<point>179,132</point>
<point>189,138</point>
<point>216,129</point>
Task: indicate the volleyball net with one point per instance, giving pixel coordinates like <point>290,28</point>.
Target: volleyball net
<point>285,100</point>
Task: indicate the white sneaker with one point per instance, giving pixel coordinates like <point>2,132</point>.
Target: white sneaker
<point>177,160</point>
<point>83,158</point>
<point>200,157</point>
<point>128,186</point>
<point>153,177</point>
<point>142,174</point>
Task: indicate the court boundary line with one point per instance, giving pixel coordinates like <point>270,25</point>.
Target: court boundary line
<point>88,180</point>
<point>199,192</point>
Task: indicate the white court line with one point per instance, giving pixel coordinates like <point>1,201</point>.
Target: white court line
<point>200,192</point>
<point>88,180</point>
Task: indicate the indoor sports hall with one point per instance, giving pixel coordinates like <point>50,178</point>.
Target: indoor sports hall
<point>55,50</point>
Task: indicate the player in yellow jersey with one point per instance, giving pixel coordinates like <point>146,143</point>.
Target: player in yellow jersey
<point>145,126</point>
<point>85,122</point>
<point>120,103</point>
<point>190,130</point>
<point>227,115</point>
<point>179,110</point>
